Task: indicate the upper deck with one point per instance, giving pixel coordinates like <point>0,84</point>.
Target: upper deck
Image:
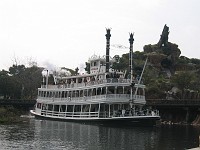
<point>93,84</point>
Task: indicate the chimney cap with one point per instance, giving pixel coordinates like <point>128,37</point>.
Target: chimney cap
<point>131,39</point>
<point>108,35</point>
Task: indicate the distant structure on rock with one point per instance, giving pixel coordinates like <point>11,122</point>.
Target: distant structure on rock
<point>164,37</point>
<point>164,54</point>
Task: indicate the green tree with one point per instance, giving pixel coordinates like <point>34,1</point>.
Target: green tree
<point>183,80</point>
<point>9,86</point>
<point>31,81</point>
<point>87,68</point>
<point>26,80</point>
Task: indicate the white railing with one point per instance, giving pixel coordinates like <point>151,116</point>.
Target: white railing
<point>75,85</point>
<point>97,98</point>
<point>116,113</point>
<point>69,114</point>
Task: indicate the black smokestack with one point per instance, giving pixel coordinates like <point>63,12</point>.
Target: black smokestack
<point>131,52</point>
<point>108,35</point>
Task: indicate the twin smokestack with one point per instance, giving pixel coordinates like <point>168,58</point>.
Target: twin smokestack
<point>108,35</point>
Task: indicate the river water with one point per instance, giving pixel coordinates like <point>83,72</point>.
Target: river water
<point>54,135</point>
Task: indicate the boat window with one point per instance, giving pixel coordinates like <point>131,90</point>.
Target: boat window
<point>116,106</point>
<point>53,94</point>
<point>44,94</point>
<point>99,91</point>
<point>50,94</point>
<point>94,107</point>
<point>89,92</point>
<point>120,90</point>
<point>85,92</point>
<point>70,94</point>
<point>70,108</point>
<point>77,108</point>
<point>39,93</point>
<point>79,80</point>
<point>56,94</point>
<point>111,90</point>
<point>68,81</point>
<point>63,108</point>
<point>104,108</point>
<point>63,94</point>
<point>56,107</point>
<point>38,105</point>
<point>127,90</point>
<point>86,108</point>
<point>103,90</point>
<point>44,106</point>
<point>81,93</point>
<point>74,93</point>
<point>47,94</point>
<point>50,107</point>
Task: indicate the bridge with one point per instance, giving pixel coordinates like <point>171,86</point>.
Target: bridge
<point>184,110</point>
<point>173,103</point>
<point>19,103</point>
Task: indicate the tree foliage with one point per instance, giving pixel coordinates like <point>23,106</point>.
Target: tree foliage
<point>20,82</point>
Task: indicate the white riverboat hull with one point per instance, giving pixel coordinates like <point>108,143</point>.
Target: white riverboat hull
<point>111,121</point>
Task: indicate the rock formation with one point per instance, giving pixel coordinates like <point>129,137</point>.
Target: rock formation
<point>164,54</point>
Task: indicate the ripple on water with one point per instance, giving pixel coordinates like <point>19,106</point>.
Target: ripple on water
<point>50,135</point>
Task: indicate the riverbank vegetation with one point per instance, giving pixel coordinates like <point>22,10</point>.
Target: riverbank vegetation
<point>9,114</point>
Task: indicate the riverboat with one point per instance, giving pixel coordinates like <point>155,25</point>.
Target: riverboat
<point>104,96</point>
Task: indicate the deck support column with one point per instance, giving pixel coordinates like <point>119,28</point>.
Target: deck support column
<point>66,111</point>
<point>81,109</point>
<point>59,110</point>
<point>99,110</point>
<point>89,109</point>
<point>109,110</point>
<point>115,92</point>
<point>73,111</point>
<point>53,110</point>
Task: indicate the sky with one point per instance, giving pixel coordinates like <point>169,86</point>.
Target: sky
<point>65,33</point>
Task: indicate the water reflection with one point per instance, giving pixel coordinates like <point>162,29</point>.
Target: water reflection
<point>81,136</point>
<point>43,134</point>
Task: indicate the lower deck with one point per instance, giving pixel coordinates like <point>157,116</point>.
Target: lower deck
<point>97,110</point>
<point>128,121</point>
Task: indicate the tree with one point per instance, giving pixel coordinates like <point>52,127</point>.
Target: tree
<point>123,63</point>
<point>183,80</point>
<point>17,70</point>
<point>25,81</point>
<point>9,86</point>
<point>87,68</point>
<point>32,78</point>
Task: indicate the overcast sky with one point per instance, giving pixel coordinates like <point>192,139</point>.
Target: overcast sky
<point>65,33</point>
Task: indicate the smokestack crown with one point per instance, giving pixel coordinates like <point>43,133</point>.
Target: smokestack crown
<point>131,38</point>
<point>108,35</point>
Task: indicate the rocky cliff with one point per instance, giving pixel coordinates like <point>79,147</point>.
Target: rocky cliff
<point>164,54</point>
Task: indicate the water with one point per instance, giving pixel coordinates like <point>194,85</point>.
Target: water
<point>54,135</point>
